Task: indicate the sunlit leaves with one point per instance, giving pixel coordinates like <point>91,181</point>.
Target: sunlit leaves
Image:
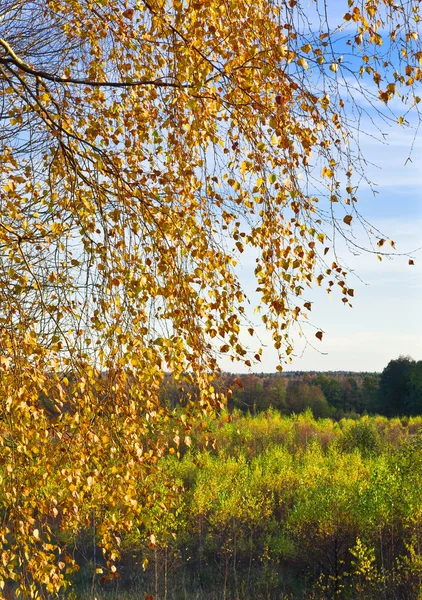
<point>146,148</point>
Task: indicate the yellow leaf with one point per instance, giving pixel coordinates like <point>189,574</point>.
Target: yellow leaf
<point>4,362</point>
<point>303,63</point>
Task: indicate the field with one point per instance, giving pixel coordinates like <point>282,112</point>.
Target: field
<point>271,506</point>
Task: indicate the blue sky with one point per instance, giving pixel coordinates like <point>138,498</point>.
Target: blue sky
<point>386,318</point>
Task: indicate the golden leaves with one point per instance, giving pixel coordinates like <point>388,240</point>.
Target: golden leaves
<point>174,146</point>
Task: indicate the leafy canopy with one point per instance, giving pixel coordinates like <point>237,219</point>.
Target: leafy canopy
<point>144,146</point>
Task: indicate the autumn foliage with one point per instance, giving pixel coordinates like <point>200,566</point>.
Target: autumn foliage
<point>144,146</point>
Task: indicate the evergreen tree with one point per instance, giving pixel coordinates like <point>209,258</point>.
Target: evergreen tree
<point>395,386</point>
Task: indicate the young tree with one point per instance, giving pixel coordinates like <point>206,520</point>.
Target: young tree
<point>144,145</point>
<point>302,396</point>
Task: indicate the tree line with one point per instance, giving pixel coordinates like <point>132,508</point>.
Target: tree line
<point>397,391</point>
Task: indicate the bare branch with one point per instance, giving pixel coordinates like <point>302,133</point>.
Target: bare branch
<point>15,60</point>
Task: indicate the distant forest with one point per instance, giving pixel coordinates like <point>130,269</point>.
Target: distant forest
<point>397,391</point>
